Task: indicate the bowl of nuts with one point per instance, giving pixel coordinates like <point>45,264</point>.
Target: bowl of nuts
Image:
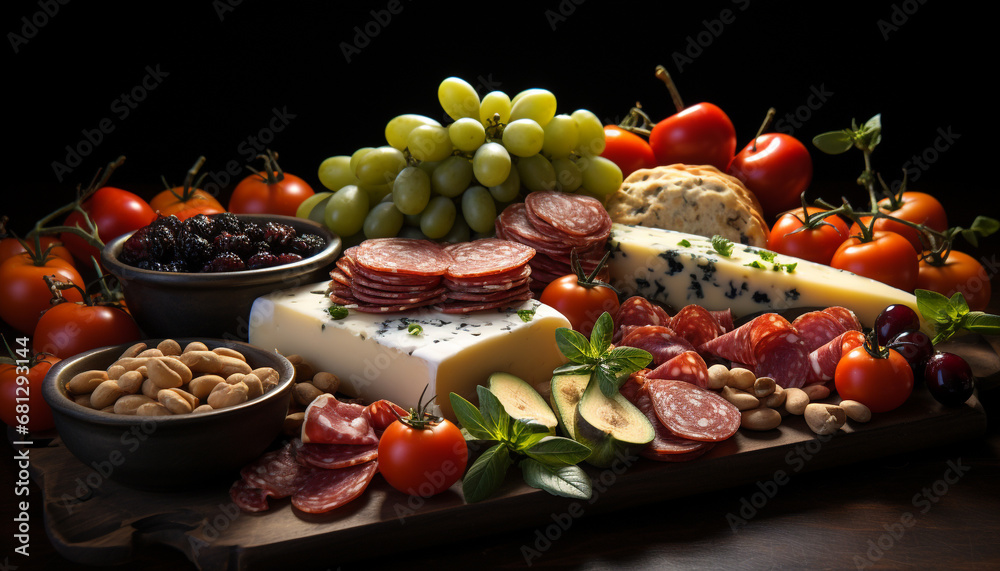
<point>199,277</point>
<point>160,414</point>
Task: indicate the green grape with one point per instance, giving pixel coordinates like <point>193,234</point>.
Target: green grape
<point>452,176</point>
<point>507,190</point>
<point>536,173</point>
<point>411,190</point>
<point>429,143</point>
<point>568,175</point>
<point>412,232</point>
<point>428,166</point>
<point>600,175</point>
<point>536,104</point>
<point>380,165</point>
<point>458,98</point>
<point>459,232</point>
<point>523,137</point>
<point>438,218</point>
<point>336,172</point>
<point>356,156</point>
<point>346,210</point>
<point>561,137</point>
<point>399,127</point>
<point>467,134</point>
<point>491,164</point>
<point>478,208</point>
<point>383,221</point>
<point>494,103</point>
<point>376,192</point>
<point>591,142</point>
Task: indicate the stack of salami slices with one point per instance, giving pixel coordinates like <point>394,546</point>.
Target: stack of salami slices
<point>388,275</point>
<point>555,224</point>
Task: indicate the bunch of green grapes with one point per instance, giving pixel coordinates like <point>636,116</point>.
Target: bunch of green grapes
<point>449,182</point>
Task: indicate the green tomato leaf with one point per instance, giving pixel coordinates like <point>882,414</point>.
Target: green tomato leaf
<point>471,419</point>
<point>495,416</point>
<point>558,451</point>
<point>574,346</point>
<point>601,334</point>
<point>833,142</point>
<point>564,481</point>
<point>486,474</point>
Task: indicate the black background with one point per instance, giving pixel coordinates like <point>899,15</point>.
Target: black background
<point>227,68</point>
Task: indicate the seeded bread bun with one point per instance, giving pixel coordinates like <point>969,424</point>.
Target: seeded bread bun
<point>698,199</point>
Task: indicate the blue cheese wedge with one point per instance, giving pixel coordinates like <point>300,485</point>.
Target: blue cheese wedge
<point>677,269</point>
<point>396,355</point>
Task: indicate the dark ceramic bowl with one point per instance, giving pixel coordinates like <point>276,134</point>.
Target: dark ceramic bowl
<point>170,304</point>
<point>168,452</point>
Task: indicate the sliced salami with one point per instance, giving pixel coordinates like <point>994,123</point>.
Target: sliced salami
<point>489,288</point>
<point>459,306</point>
<point>783,356</point>
<point>688,367</point>
<point>487,297</point>
<point>247,497</point>
<point>692,412</point>
<point>487,256</point>
<point>572,214</point>
<point>682,457</point>
<point>515,275</point>
<point>817,328</point>
<point>823,361</point>
<point>277,473</point>
<point>375,297</point>
<point>696,324</point>
<point>724,317</point>
<point>330,421</point>
<point>403,256</point>
<point>326,490</point>
<point>665,443</point>
<point>845,316</point>
<point>660,341</point>
<point>637,311</point>
<point>333,456</point>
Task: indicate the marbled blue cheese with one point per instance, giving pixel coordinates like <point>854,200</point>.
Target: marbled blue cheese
<point>376,356</point>
<point>677,269</point>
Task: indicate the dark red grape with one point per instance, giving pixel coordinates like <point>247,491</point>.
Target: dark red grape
<point>949,378</point>
<point>894,320</point>
<point>916,347</point>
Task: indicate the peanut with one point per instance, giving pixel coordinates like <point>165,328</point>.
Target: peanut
<point>163,375</point>
<point>151,352</point>
<point>742,399</point>
<point>84,383</point>
<point>856,411</point>
<point>202,386</point>
<point>228,352</point>
<point>149,389</point>
<point>303,370</point>
<point>225,395</point>
<point>825,418</point>
<point>130,382</point>
<point>740,378</point>
<point>152,409</point>
<point>195,346</point>
<point>775,399</point>
<point>127,404</point>
<point>760,418</point>
<point>304,393</point>
<point>105,394</point>
<point>326,382</point>
<point>254,387</point>
<point>268,377</point>
<point>718,377</point>
<point>133,351</point>
<point>116,371</point>
<point>816,391</point>
<point>293,423</point>
<point>202,408</point>
<point>82,400</point>
<point>763,387</point>
<point>169,347</point>
<point>131,363</point>
<point>174,402</point>
<point>796,400</point>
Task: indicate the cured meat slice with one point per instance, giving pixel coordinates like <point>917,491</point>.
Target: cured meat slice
<point>823,361</point>
<point>817,328</point>
<point>691,412</point>
<point>276,473</point>
<point>460,306</point>
<point>333,456</point>
<point>487,256</point>
<point>725,319</point>
<point>637,311</point>
<point>515,275</point>
<point>396,298</point>
<point>664,443</point>
<point>682,457</point>
<point>489,288</point>
<point>572,214</point>
<point>688,366</point>
<point>783,356</point>
<point>660,341</point>
<point>513,224</point>
<point>326,490</point>
<point>247,497</point>
<point>696,324</point>
<point>631,387</point>
<point>556,234</point>
<point>844,316</point>
<point>486,297</point>
<point>402,256</point>
<point>330,421</point>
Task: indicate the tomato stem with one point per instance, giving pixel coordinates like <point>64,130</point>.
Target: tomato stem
<point>663,75</point>
<point>272,170</point>
<point>419,418</point>
<point>767,122</point>
<point>190,185</point>
<point>872,347</point>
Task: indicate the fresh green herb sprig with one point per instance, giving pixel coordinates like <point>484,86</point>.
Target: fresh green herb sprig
<point>722,245</point>
<point>949,316</point>
<point>547,462</point>
<point>611,367</point>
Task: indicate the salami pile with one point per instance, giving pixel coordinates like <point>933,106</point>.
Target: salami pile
<point>555,224</point>
<point>388,275</point>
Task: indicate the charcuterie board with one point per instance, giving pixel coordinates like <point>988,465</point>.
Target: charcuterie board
<point>92,520</point>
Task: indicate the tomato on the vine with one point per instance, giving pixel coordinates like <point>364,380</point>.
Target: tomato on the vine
<point>68,328</point>
<point>421,456</point>
<point>272,191</point>
<point>916,207</point>
<point>888,258</point>
<point>114,211</point>
<point>581,298</point>
<point>817,242</point>
<point>627,150</point>
<point>11,246</point>
<point>960,272</point>
<point>18,382</point>
<point>24,295</point>
<point>187,200</point>
<point>882,381</point>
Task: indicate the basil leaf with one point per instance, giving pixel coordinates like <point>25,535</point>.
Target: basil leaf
<point>932,305</point>
<point>558,451</point>
<point>601,334</point>
<point>572,368</point>
<point>495,416</point>
<point>833,142</point>
<point>471,419</point>
<point>525,433</point>
<point>723,246</point>
<point>565,481</point>
<point>486,474</point>
<point>630,357</point>
<point>979,322</point>
<point>607,379</point>
<point>574,346</point>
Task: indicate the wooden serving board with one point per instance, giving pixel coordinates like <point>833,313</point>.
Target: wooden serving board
<point>95,521</point>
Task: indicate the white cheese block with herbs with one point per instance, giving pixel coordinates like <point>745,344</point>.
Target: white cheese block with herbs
<point>376,356</point>
<point>677,269</point>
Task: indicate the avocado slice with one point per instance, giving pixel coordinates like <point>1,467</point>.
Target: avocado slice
<point>610,426</point>
<point>567,390</point>
<point>521,400</point>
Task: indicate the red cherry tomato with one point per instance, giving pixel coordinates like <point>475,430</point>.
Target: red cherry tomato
<point>777,168</point>
<point>881,384</point>
<point>917,207</point>
<point>185,201</point>
<point>581,304</point>
<point>20,382</point>
<point>701,134</point>
<point>68,328</point>
<point>24,295</point>
<point>960,273</point>
<point>816,244</point>
<point>422,461</point>
<point>115,212</point>
<point>10,247</point>
<point>627,150</point>
<point>269,192</point>
<point>888,258</point>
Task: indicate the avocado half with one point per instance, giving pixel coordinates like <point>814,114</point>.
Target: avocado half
<point>521,400</point>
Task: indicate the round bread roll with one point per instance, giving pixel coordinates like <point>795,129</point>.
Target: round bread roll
<point>697,199</point>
